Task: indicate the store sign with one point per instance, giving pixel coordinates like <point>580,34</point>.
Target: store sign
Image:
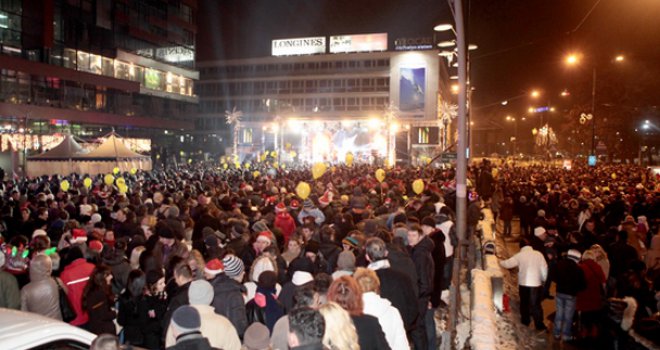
<point>299,46</point>
<point>175,54</point>
<point>358,43</point>
<point>409,44</point>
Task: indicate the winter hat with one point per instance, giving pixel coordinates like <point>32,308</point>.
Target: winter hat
<point>350,241</point>
<point>233,265</point>
<point>301,264</point>
<point>39,233</point>
<point>324,200</point>
<point>186,319</point>
<point>214,267</point>
<point>301,277</point>
<point>79,235</point>
<point>541,213</point>
<point>153,276</point>
<point>256,337</point>
<point>200,292</point>
<point>428,221</point>
<point>346,261</point>
<point>294,204</point>
<point>280,208</point>
<point>96,217</point>
<point>265,236</point>
<point>173,212</point>
<point>308,204</point>
<point>539,231</point>
<point>574,255</point>
<point>95,245</point>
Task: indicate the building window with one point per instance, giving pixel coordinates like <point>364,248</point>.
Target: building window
<point>247,135</point>
<point>423,135</point>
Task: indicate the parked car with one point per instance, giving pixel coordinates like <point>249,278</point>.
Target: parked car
<point>23,330</point>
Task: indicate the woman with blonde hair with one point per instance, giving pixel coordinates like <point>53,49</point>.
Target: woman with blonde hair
<point>388,316</point>
<point>346,292</point>
<point>340,333</point>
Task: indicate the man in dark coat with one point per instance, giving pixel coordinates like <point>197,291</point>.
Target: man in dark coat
<point>182,276</point>
<point>186,325</point>
<point>228,295</point>
<point>420,248</point>
<point>570,280</point>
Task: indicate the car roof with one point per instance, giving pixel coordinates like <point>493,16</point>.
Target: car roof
<point>24,330</point>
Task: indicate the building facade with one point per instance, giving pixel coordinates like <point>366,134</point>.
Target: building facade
<point>90,66</point>
<point>318,106</point>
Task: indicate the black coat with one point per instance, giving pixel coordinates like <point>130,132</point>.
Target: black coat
<point>439,258</point>
<point>569,277</point>
<point>191,341</point>
<point>424,265</point>
<point>176,301</point>
<point>228,301</point>
<point>101,316</point>
<point>391,281</point>
<point>370,333</point>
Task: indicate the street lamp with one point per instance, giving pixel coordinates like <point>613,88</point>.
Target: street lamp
<point>535,93</point>
<point>574,59</point>
<point>513,120</point>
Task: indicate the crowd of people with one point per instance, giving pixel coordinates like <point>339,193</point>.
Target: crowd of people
<point>229,258</point>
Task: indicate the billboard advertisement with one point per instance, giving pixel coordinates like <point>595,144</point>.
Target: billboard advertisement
<point>358,43</point>
<point>412,86</point>
<point>298,46</point>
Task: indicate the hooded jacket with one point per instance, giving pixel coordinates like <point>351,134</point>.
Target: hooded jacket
<point>286,224</point>
<point>75,277</point>
<point>41,295</point>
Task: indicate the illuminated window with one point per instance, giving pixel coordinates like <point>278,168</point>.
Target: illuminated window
<point>247,135</point>
<point>423,135</point>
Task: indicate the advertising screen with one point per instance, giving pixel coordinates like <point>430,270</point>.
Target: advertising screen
<point>358,43</point>
<point>412,89</point>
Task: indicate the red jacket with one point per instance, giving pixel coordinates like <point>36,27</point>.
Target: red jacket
<point>591,299</point>
<point>75,277</point>
<point>286,224</point>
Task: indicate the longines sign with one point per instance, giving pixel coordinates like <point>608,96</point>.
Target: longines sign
<point>299,46</point>
<point>408,44</point>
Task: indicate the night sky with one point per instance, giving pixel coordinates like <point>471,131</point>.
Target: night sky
<point>521,42</point>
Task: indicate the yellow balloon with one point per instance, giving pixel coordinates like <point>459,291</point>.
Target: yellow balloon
<point>189,161</point>
<point>122,188</point>
<point>387,163</point>
<point>380,175</point>
<point>283,166</point>
<point>303,190</point>
<point>333,169</point>
<point>133,171</point>
<point>87,182</point>
<point>225,166</point>
<point>263,157</point>
<point>273,154</point>
<point>246,165</point>
<point>349,158</point>
<point>256,173</point>
<point>318,170</point>
<point>613,176</point>
<point>293,154</point>
<point>287,146</point>
<point>115,170</point>
<point>64,185</point>
<point>276,165</point>
<point>495,171</point>
<point>109,179</point>
<point>120,181</point>
<point>418,186</point>
<point>237,165</point>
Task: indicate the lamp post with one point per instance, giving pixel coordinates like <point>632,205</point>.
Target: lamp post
<point>574,59</point>
<point>514,120</point>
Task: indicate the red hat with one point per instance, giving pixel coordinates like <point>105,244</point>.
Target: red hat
<point>294,204</point>
<point>265,234</point>
<point>280,208</point>
<point>96,245</point>
<point>79,235</point>
<point>214,267</point>
<point>324,200</point>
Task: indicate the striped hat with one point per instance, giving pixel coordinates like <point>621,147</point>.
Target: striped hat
<point>233,265</point>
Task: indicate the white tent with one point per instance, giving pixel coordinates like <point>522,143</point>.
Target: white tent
<point>69,157</point>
